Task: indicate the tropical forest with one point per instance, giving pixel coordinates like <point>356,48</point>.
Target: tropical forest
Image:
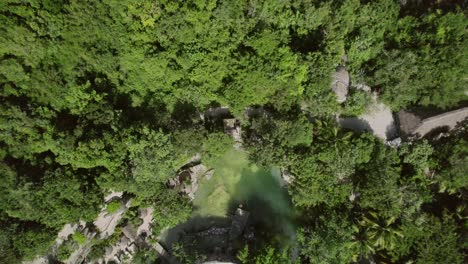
<point>233,131</point>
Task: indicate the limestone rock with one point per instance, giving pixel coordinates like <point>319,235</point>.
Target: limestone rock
<point>363,87</point>
<point>395,143</point>
<point>113,196</point>
<point>146,215</point>
<point>340,84</point>
<point>232,128</point>
<point>287,176</point>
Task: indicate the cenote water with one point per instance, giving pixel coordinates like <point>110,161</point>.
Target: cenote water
<point>236,183</point>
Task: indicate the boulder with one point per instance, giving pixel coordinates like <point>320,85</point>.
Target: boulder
<point>340,84</point>
<point>147,216</point>
<point>239,220</point>
<point>409,122</point>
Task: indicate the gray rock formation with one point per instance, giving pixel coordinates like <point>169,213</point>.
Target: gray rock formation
<point>232,128</point>
<point>113,196</point>
<point>287,176</point>
<point>146,214</point>
<point>340,84</point>
<point>448,120</point>
<point>412,125</point>
<point>408,122</point>
<point>187,180</point>
<point>239,220</point>
<point>106,223</point>
<point>196,174</point>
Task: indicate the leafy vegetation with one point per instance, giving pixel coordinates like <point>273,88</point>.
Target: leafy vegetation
<point>113,207</point>
<point>66,249</point>
<point>117,99</point>
<point>79,237</point>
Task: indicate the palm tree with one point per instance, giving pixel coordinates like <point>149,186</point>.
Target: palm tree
<point>383,232</point>
<point>373,234</point>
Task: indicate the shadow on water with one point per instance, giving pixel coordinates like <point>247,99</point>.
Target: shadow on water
<point>235,184</point>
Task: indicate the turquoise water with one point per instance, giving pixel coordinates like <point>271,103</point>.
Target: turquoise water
<point>238,183</point>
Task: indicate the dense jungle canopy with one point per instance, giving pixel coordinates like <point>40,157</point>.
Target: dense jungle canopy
<point>111,95</point>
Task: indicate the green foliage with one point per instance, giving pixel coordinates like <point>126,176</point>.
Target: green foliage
<point>357,103</point>
<point>440,243</point>
<point>145,256</point>
<point>324,174</point>
<point>172,210</point>
<point>59,190</point>
<point>113,207</point>
<point>33,241</point>
<point>418,156</point>
<point>215,146</point>
<point>271,137</point>
<point>410,72</point>
<point>7,253</point>
<point>380,233</point>
<point>243,254</point>
<point>379,187</point>
<point>115,99</point>
<point>184,257</point>
<point>273,256</point>
<point>328,240</point>
<point>152,156</point>
<point>452,165</point>
<point>66,249</point>
<point>79,237</point>
<point>99,246</point>
<point>265,255</point>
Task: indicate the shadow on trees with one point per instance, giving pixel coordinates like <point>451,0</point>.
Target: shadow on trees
<point>420,7</point>
<point>307,43</point>
<point>184,115</point>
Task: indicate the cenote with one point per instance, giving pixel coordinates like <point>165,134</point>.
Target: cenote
<point>241,204</point>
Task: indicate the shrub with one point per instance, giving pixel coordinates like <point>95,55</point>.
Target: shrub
<point>113,207</point>
<point>357,103</point>
<point>79,237</point>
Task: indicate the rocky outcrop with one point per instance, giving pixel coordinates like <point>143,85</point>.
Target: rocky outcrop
<point>146,215</point>
<point>113,196</point>
<point>79,255</point>
<point>411,125</point>
<point>125,248</point>
<point>66,231</point>
<point>363,87</point>
<point>340,84</point>
<point>106,222</point>
<point>187,181</point>
<point>448,120</point>
<point>232,128</point>
<point>131,240</point>
<point>409,122</point>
